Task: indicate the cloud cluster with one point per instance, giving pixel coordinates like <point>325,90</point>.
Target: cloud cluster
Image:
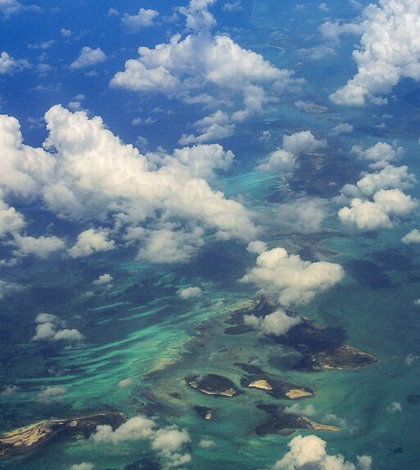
<point>206,69</point>
<point>380,212</point>
<point>163,203</point>
<point>9,66</point>
<point>377,199</point>
<point>289,280</point>
<point>277,323</point>
<point>310,452</point>
<point>389,51</point>
<point>284,160</point>
<point>379,155</point>
<point>51,328</point>
<point>167,442</point>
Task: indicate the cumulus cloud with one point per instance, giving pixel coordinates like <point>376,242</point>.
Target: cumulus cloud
<point>7,288</point>
<point>82,466</point>
<point>41,247</point>
<point>167,442</point>
<point>91,241</point>
<point>88,57</point>
<point>12,7</point>
<point>103,279</point>
<point>343,128</point>
<point>9,66</point>
<point>11,221</point>
<point>197,15</point>
<point>214,127</point>
<point>380,154</point>
<point>143,19</point>
<point>289,280</point>
<point>189,293</point>
<point>277,323</point>
<point>309,452</point>
<point>388,52</point>
<point>284,160</point>
<point>51,328</point>
<point>394,407</point>
<point>411,237</point>
<point>304,215</point>
<point>84,173</point>
<point>390,177</point>
<point>381,212</point>
<point>168,245</point>
<point>207,69</point>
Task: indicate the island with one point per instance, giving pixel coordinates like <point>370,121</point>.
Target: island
<point>212,384</point>
<point>23,440</point>
<point>261,380</point>
<point>323,349</point>
<point>280,421</point>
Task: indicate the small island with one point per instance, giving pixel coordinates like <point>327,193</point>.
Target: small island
<point>212,384</point>
<point>23,440</point>
<point>285,423</point>
<point>261,380</point>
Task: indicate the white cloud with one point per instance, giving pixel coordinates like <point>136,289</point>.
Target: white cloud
<point>9,66</point>
<point>379,213</point>
<point>82,466</point>
<point>207,69</point>
<point>389,51</point>
<point>11,221</point>
<point>390,177</point>
<point>50,328</point>
<point>41,247</point>
<point>125,383</point>
<point>167,442</point>
<point>103,279</point>
<point>412,237</point>
<point>394,407</point>
<point>380,154</point>
<point>333,30</point>
<point>145,18</point>
<point>7,288</point>
<point>302,142</point>
<point>12,7</point>
<point>91,241</point>
<point>189,293</point>
<point>233,6</point>
<point>304,215</point>
<point>86,174</point>
<point>51,394</point>
<point>257,247</point>
<point>214,127</point>
<point>289,280</point>
<point>284,160</point>
<point>277,323</point>
<point>88,57</point>
<point>197,15</point>
<point>343,128</point>
<point>309,452</point>
<point>168,245</point>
